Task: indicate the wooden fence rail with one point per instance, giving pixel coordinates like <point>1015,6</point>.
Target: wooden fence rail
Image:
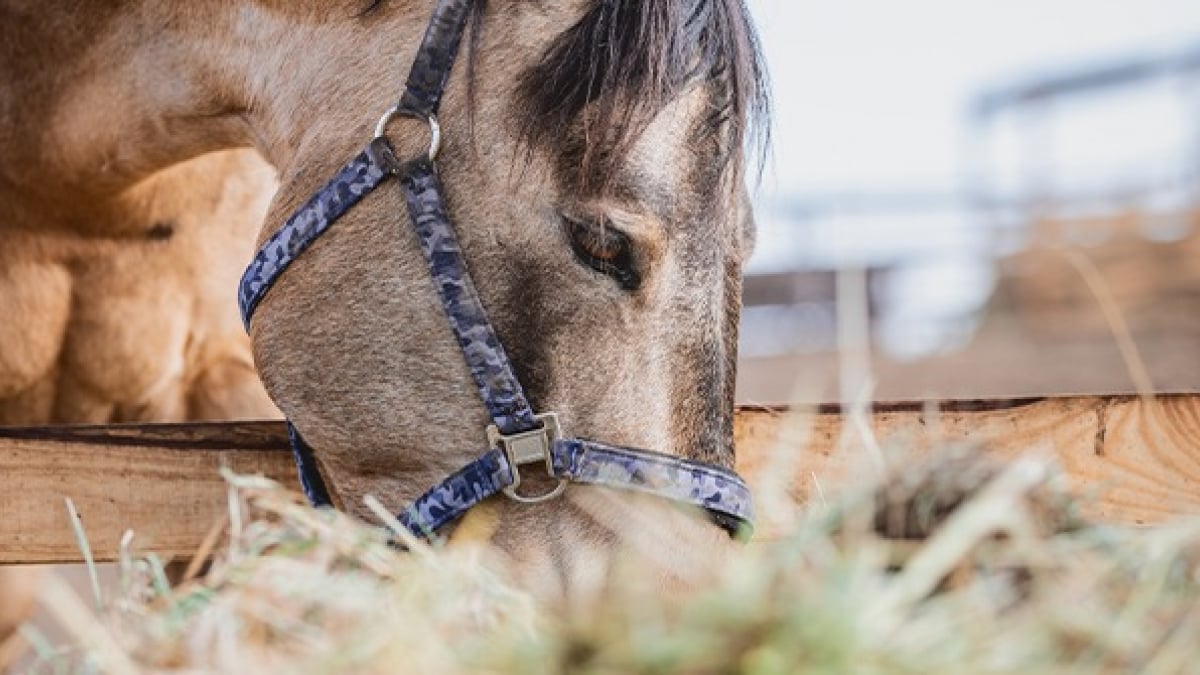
<point>1140,457</point>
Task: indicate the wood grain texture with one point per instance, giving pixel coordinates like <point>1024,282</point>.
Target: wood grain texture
<point>1139,460</point>
<point>1134,461</point>
<point>161,481</point>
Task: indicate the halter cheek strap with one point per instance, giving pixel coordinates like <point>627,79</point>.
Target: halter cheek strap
<point>517,436</point>
<point>497,383</point>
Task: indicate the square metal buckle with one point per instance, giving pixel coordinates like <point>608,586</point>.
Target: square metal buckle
<point>528,447</point>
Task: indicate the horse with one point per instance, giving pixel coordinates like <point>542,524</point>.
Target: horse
<point>592,155</point>
<point>125,314</point>
<point>86,341</point>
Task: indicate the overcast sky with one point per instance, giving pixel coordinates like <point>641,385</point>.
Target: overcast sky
<point>871,93</point>
<point>871,97</point>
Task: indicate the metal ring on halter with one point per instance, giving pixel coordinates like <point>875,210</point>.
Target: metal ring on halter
<point>435,129</point>
<point>530,447</point>
<point>511,493</point>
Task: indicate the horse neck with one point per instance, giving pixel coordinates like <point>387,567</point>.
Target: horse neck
<point>99,97</point>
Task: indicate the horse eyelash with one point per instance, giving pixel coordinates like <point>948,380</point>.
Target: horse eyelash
<point>621,267</point>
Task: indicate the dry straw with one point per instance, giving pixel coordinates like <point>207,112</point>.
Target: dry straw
<point>959,567</point>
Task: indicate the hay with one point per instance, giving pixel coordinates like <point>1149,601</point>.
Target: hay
<point>960,568</point>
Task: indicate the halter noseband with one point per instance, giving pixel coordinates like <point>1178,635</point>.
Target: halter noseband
<point>517,437</point>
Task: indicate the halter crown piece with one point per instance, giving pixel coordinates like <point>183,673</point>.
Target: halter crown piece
<point>518,436</point>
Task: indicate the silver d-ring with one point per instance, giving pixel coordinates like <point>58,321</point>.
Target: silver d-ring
<point>435,129</point>
<point>511,493</point>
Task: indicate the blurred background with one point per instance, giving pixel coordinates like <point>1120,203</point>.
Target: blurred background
<point>968,198</point>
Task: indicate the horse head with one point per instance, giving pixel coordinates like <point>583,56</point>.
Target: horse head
<point>591,160</point>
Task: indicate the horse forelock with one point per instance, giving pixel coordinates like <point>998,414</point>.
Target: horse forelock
<point>601,82</point>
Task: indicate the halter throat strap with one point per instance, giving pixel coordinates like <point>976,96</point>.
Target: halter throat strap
<point>518,436</point>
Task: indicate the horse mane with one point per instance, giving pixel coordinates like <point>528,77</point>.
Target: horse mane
<point>604,79</point>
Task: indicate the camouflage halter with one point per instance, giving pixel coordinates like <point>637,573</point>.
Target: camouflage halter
<point>518,436</point>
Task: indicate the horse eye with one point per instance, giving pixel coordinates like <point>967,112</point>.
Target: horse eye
<point>605,249</point>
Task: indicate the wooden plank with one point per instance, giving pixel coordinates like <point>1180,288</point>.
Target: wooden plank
<point>1135,461</point>
<point>1154,284</point>
<point>984,367</point>
<point>817,286</point>
<point>161,481</point>
<point>1141,458</point>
